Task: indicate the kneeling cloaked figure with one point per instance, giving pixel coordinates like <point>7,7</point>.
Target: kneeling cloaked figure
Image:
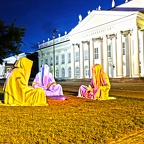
<point>45,80</point>
<point>16,89</point>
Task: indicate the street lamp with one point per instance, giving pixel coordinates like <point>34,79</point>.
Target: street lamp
<point>53,34</point>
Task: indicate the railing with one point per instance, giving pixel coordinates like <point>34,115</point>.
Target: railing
<point>50,42</point>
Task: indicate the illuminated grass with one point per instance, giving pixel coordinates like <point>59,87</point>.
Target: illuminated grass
<point>75,120</point>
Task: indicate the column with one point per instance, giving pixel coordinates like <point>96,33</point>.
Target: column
<point>136,52</point>
<point>127,53</point>
<point>119,64</point>
<point>39,61</point>
<point>72,61</point>
<point>130,53</point>
<point>105,55</point>
<point>91,57</point>
<point>81,64</point>
<point>114,55</point>
<point>142,53</point>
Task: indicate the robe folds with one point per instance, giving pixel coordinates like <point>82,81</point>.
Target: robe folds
<point>16,89</point>
<point>44,79</point>
<point>99,85</point>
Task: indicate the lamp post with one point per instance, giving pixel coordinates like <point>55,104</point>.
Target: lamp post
<point>53,35</point>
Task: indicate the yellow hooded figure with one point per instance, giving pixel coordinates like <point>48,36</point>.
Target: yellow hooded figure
<point>16,89</point>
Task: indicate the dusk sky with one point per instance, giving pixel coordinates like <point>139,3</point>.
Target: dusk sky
<point>41,17</point>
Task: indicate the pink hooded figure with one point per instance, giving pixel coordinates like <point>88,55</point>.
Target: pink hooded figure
<point>44,79</point>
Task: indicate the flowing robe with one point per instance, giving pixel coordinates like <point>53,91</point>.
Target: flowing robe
<point>45,80</point>
<point>16,89</point>
<point>99,86</point>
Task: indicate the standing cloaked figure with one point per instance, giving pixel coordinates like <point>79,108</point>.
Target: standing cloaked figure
<point>99,85</point>
<point>44,79</point>
<point>16,89</point>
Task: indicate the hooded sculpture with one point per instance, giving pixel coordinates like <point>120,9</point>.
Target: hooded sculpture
<point>44,79</point>
<point>16,89</point>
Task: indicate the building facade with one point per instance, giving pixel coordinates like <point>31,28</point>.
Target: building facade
<point>112,38</point>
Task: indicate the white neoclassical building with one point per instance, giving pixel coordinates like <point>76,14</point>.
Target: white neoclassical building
<point>112,38</point>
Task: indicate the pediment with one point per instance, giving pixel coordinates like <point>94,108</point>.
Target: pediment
<point>98,18</point>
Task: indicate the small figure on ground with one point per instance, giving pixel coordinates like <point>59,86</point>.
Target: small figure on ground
<point>45,80</point>
<point>99,85</point>
<point>16,89</point>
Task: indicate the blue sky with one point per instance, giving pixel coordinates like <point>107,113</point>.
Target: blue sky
<point>41,17</point>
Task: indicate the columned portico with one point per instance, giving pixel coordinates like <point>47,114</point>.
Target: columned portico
<point>116,42</point>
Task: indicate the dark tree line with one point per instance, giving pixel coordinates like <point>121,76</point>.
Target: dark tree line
<point>10,39</point>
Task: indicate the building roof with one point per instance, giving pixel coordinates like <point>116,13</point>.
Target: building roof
<point>133,5</point>
<point>99,18</point>
<point>12,59</point>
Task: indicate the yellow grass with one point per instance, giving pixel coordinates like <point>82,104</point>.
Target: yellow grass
<point>74,121</point>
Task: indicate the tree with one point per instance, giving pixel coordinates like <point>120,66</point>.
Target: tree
<point>10,39</point>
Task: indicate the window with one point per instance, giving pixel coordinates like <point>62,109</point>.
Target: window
<point>46,61</point>
<point>63,58</point>
<point>69,58</point>
<point>69,72</point>
<point>51,61</point>
<point>86,71</point>
<point>57,73</point>
<point>63,72</point>
<point>51,70</point>
<point>123,47</point>
<point>41,62</point>
<point>57,60</point>
<point>96,54</point>
<point>77,72</point>
<point>109,50</point>
<point>77,56</point>
<point>86,54</point>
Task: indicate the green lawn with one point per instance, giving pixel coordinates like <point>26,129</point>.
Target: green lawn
<point>76,121</point>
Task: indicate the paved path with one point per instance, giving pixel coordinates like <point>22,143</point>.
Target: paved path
<point>117,89</point>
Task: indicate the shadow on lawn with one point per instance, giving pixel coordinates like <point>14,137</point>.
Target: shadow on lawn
<point>70,93</point>
<point>1,97</point>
